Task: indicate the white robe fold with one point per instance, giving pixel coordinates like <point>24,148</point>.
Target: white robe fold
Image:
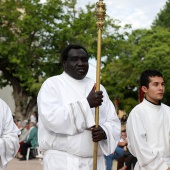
<point>9,141</point>
<point>148,132</point>
<point>65,118</point>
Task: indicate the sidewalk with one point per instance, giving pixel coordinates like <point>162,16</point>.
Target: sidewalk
<point>33,164</point>
<point>114,165</point>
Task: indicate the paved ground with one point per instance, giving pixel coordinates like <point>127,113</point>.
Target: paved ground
<point>34,164</point>
<point>114,166</point>
<point>15,164</point>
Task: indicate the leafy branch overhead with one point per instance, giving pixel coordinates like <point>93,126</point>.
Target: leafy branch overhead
<point>33,34</point>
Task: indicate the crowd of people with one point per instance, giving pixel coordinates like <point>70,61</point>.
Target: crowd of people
<point>66,130</point>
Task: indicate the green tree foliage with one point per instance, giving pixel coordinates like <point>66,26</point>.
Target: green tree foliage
<point>32,36</point>
<point>154,52</point>
<point>144,49</point>
<point>163,17</point>
<point>27,51</point>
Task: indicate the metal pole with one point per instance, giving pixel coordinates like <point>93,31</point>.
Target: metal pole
<point>100,14</point>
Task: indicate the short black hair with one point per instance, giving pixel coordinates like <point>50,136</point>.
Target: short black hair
<point>144,79</point>
<point>123,131</point>
<point>64,54</point>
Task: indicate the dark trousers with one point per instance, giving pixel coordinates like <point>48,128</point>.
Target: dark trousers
<point>24,148</point>
<point>127,160</point>
<point>131,160</point>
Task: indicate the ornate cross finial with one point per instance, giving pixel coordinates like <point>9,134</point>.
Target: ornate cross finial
<point>100,13</point>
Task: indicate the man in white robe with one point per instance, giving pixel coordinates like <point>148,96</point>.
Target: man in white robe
<point>148,125</point>
<point>9,141</point>
<point>66,107</point>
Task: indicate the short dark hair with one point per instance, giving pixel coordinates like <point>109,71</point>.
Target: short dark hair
<point>144,79</point>
<point>123,131</point>
<point>64,54</point>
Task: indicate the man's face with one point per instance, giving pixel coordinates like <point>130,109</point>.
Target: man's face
<point>27,126</point>
<point>77,64</point>
<point>154,93</point>
<point>124,136</point>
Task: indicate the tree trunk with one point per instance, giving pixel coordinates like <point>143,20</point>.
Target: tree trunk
<point>24,104</point>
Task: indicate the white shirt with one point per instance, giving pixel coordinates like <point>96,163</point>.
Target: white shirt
<point>148,132</point>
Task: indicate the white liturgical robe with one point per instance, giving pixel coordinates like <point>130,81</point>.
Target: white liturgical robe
<point>148,132</point>
<point>65,119</point>
<point>9,142</point>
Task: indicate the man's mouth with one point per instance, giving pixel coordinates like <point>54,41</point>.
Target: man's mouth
<point>81,70</point>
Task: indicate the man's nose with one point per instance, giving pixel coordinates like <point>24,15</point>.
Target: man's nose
<point>80,62</point>
<point>161,87</point>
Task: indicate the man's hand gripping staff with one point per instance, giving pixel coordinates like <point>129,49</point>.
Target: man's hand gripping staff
<point>95,98</point>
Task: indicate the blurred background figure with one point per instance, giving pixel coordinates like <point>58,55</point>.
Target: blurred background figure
<point>34,117</point>
<point>24,133</point>
<point>18,123</point>
<point>31,141</point>
<point>123,119</point>
<point>119,151</point>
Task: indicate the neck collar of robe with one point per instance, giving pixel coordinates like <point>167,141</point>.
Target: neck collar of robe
<point>154,103</point>
<point>71,79</point>
<point>154,106</point>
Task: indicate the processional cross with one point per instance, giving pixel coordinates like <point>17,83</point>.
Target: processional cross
<point>100,15</point>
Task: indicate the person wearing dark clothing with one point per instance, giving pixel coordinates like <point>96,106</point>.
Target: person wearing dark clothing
<point>31,141</point>
<point>125,161</point>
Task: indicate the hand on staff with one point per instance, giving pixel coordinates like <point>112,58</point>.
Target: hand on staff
<point>95,98</point>
<point>98,134</point>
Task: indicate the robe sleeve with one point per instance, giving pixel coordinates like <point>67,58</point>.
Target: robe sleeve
<point>9,141</point>
<point>69,119</point>
<point>148,159</point>
<point>111,126</point>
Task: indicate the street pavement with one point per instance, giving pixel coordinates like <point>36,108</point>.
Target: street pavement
<point>33,164</point>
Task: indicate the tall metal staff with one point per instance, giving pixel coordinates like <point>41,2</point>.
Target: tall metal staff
<point>100,15</point>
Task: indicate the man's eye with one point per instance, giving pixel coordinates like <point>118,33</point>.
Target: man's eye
<point>155,84</point>
<point>85,59</point>
<point>74,59</point>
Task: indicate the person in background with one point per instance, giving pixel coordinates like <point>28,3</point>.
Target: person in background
<point>127,162</point>
<point>148,125</point>
<point>9,142</point>
<point>18,123</point>
<point>34,117</point>
<point>123,119</point>
<point>66,107</point>
<point>119,151</point>
<point>23,137</point>
<point>31,140</point>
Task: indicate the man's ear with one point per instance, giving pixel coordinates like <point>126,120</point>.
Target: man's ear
<point>144,89</point>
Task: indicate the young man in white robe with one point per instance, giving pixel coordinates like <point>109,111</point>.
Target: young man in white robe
<point>9,141</point>
<point>66,107</point>
<point>148,125</point>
